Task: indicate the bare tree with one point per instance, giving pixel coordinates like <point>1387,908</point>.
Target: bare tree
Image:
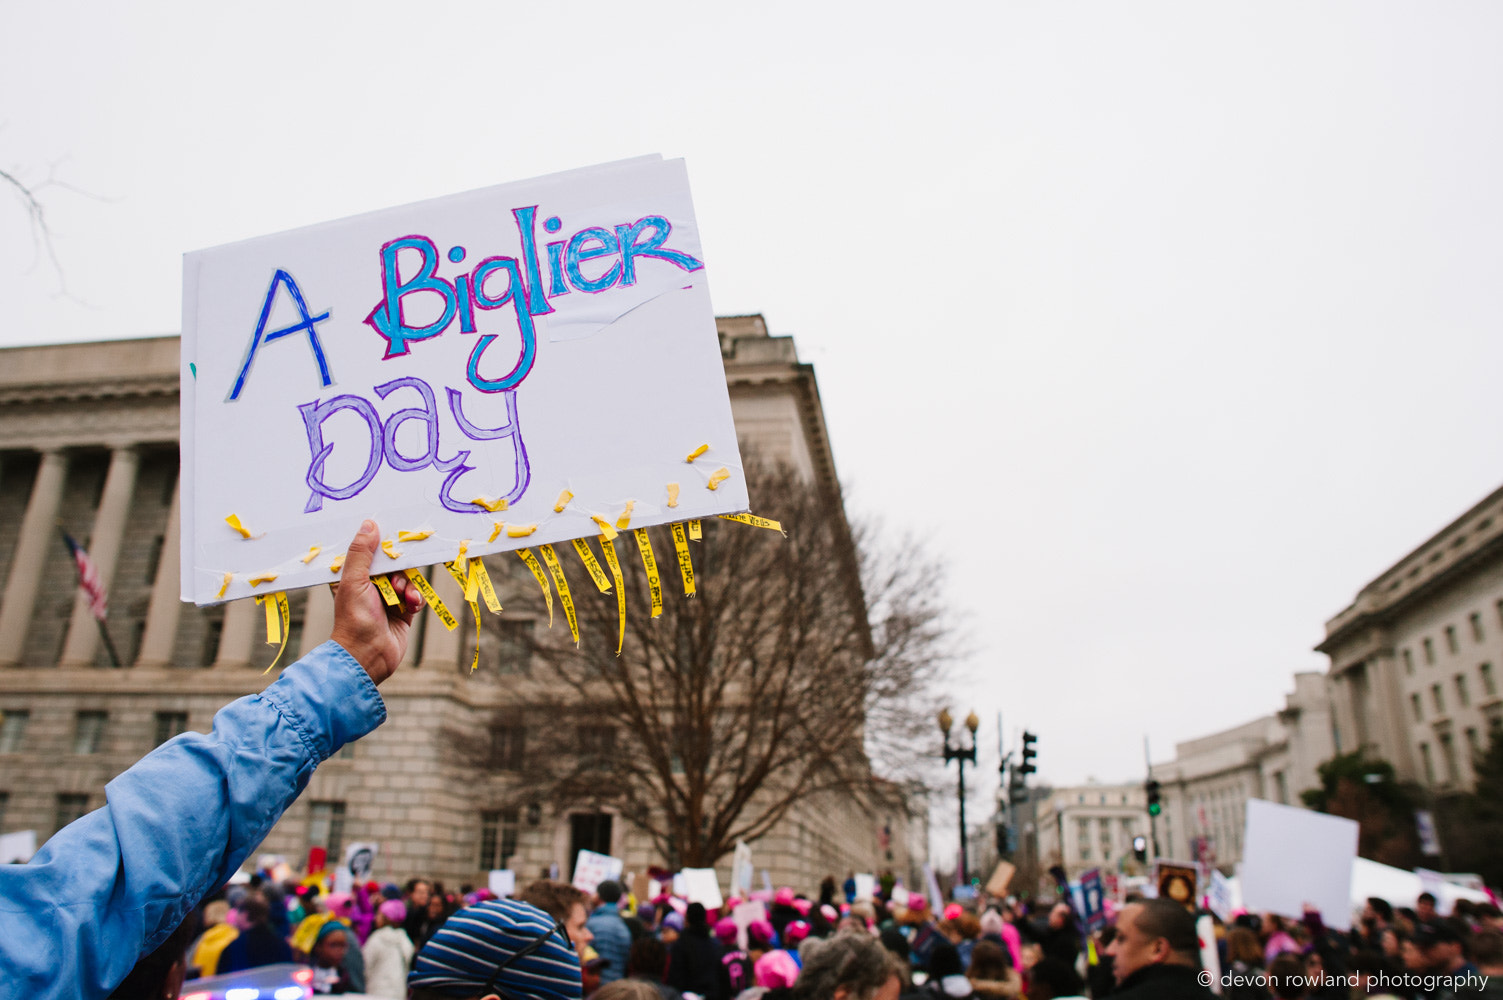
<point>797,662</point>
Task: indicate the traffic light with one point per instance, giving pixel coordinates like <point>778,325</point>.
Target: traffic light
<point>1140,849</point>
<point>1029,753</point>
<point>1004,843</point>
<point>1151,788</point>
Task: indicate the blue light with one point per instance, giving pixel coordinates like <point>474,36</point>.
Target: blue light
<point>288,993</point>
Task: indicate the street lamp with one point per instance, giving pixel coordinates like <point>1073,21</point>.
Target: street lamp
<point>960,754</point>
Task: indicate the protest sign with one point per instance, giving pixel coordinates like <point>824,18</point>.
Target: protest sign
<point>516,366</point>
<point>590,869</point>
<point>866,886</point>
<point>741,868</point>
<point>702,886</point>
<point>1001,878</point>
<point>502,882</point>
<point>1219,896</point>
<point>360,860</point>
<point>1176,880</point>
<point>1092,901</point>
<point>17,847</point>
<point>1291,857</point>
<point>745,915</point>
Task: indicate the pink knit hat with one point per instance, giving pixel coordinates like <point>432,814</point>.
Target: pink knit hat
<point>394,910</point>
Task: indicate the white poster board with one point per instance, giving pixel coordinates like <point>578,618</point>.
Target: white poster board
<point>866,886</point>
<point>1292,856</point>
<point>702,886</point>
<point>448,366</point>
<point>591,869</point>
<point>502,882</point>
<point>17,847</point>
<point>360,860</point>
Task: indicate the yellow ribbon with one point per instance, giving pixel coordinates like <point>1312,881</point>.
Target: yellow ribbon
<point>431,596</point>
<point>234,522</point>
<point>625,519</point>
<point>588,558</point>
<point>609,548</point>
<point>521,531</point>
<point>391,550</point>
<point>413,536</point>
<point>278,623</point>
<point>650,563</point>
<point>457,572</point>
<point>606,531</point>
<point>562,501</point>
<point>337,564</point>
<point>256,581</point>
<point>496,527</point>
<point>313,551</point>
<point>756,522</point>
<point>487,589</point>
<point>493,506</point>
<point>685,565</point>
<point>697,452</point>
<point>564,597</point>
<point>388,592</point>
<point>224,584</point>
<point>717,477</point>
<point>695,530</point>
<point>537,574</point>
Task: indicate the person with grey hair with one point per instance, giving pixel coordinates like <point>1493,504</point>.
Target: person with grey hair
<point>849,967</point>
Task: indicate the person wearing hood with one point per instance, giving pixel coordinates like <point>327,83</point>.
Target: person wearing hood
<point>947,978</point>
<point>694,959</point>
<point>388,953</point>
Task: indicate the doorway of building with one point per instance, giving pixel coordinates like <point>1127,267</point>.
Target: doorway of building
<point>588,832</point>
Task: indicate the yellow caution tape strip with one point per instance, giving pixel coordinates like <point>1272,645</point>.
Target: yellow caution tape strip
<point>673,494</point>
<point>470,585</point>
<point>256,581</point>
<point>624,520</point>
<point>493,506</point>
<point>609,548</point>
<point>391,550</point>
<point>685,564</point>
<point>537,573</point>
<point>337,564</point>
<point>588,558</point>
<point>495,531</point>
<point>559,580</point>
<point>717,477</point>
<point>224,584</point>
<point>697,452</point>
<point>414,536</point>
<point>487,589</point>
<point>388,592</point>
<point>606,531</point>
<point>696,531</point>
<point>562,501</point>
<point>234,522</point>
<point>431,596</point>
<point>521,530</point>
<point>278,623</point>
<point>313,551</point>
<point>650,563</point>
<point>755,521</point>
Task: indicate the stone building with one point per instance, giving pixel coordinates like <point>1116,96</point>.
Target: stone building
<point>1088,826</point>
<point>88,445</point>
<point>1204,790</point>
<point>1415,658</point>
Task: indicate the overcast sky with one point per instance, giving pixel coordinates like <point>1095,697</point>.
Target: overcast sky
<point>1168,325</point>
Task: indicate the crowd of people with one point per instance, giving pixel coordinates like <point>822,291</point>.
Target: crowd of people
<point>669,948</point>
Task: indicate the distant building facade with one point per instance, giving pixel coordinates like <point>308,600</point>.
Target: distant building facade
<point>1416,657</point>
<point>88,443</point>
<point>1088,826</point>
<point>1204,790</point>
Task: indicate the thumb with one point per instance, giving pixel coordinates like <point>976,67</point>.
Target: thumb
<point>357,561</point>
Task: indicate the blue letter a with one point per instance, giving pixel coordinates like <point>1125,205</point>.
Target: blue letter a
<point>307,323</point>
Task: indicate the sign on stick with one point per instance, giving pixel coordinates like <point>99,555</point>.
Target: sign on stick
<point>591,869</point>
<point>515,366</point>
<point>1291,857</point>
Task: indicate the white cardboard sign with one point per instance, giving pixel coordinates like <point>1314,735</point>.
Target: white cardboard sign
<point>502,882</point>
<point>591,869</point>
<point>1295,856</point>
<point>424,364</point>
<point>702,886</point>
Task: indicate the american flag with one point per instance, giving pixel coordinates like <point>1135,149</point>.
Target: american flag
<point>88,577</point>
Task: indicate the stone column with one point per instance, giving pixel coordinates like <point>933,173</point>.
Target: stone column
<point>38,531</point>
<point>318,618</point>
<point>440,646</point>
<point>162,614</point>
<point>239,633</point>
<point>104,549</point>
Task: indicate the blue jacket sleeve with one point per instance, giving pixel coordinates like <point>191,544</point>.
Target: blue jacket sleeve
<point>109,888</point>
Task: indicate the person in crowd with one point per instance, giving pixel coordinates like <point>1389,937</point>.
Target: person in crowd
<point>203,955</point>
<point>257,944</point>
<point>1051,979</point>
<point>1444,952</point>
<point>996,926</point>
<point>849,967</point>
<point>808,946</point>
<point>947,978</point>
<point>565,904</point>
<point>1424,909</point>
<point>991,971</point>
<point>694,959</point>
<point>794,936</point>
<point>1061,936</point>
<point>1277,938</point>
<point>330,947</point>
<point>1156,953</point>
<point>648,962</point>
<point>388,952</point>
<point>1244,962</point>
<point>1377,917</point>
<point>736,966</point>
<point>782,912</point>
<point>672,927</point>
<point>1099,973</point>
<point>590,967</point>
<point>611,936</point>
<point>416,895</point>
<point>1487,955</point>
<point>1375,973</point>
<point>626,989</point>
<point>496,950</point>
<point>187,814</point>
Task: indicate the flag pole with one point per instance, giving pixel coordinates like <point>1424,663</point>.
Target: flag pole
<point>109,644</point>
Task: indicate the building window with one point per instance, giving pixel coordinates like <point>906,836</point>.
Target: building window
<point>1127,830</point>
<point>169,724</point>
<point>516,646</point>
<point>1476,621</point>
<point>1439,699</point>
<point>1106,839</point>
<point>12,728</point>
<point>597,744</point>
<point>326,826</point>
<point>498,838</point>
<point>1083,838</point>
<point>213,632</point>
<point>1489,686</point>
<point>88,732</point>
<point>1451,643</point>
<point>509,746</point>
<point>1281,785</point>
<point>1448,751</point>
<point>1408,663</point>
<point>69,808</point>
<point>4,803</point>
<point>1429,764</point>
<point>1419,711</point>
<point>1429,651</point>
<point>1462,698</point>
<point>1474,742</point>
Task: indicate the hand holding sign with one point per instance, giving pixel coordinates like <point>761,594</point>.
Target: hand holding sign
<point>374,633</point>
